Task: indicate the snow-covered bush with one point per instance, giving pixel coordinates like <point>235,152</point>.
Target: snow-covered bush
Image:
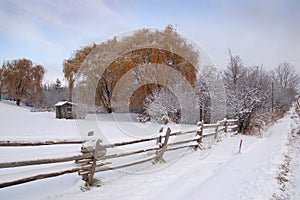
<point>80,111</point>
<point>163,106</point>
<point>143,118</point>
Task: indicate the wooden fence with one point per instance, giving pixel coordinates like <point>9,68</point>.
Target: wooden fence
<point>298,104</point>
<point>100,157</point>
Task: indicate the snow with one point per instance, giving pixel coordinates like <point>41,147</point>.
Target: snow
<point>218,172</point>
<point>61,103</point>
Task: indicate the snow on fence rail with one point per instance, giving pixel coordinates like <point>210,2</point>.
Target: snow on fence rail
<point>38,143</point>
<point>102,157</point>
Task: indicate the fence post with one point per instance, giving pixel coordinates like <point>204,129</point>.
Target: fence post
<point>161,151</point>
<point>158,141</point>
<point>298,104</point>
<point>94,162</point>
<point>225,125</point>
<point>217,127</point>
<point>98,153</point>
<point>199,133</point>
<point>86,149</point>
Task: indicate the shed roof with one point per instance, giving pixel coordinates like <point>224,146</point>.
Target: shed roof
<point>61,103</point>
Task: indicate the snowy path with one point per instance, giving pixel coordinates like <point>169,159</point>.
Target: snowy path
<point>223,174</point>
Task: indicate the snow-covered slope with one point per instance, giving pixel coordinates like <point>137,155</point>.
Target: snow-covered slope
<point>214,173</point>
<point>222,174</point>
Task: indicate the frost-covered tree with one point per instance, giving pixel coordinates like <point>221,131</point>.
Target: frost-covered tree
<point>235,71</point>
<point>247,91</point>
<point>163,106</point>
<point>203,97</point>
<point>285,84</point>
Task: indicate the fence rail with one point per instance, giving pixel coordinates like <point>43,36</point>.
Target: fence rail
<point>7,143</point>
<point>100,157</point>
<point>298,104</point>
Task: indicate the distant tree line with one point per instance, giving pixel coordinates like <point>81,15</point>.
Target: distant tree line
<point>52,94</point>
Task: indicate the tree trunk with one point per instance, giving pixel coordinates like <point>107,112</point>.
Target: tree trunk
<point>18,102</point>
<point>70,93</point>
<point>201,114</point>
<point>241,125</point>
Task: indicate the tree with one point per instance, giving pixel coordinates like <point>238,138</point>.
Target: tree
<point>53,94</point>
<point>203,97</point>
<point>72,65</point>
<point>247,91</point>
<point>235,71</point>
<point>286,82</point>
<point>23,80</point>
<point>111,60</point>
<point>57,84</point>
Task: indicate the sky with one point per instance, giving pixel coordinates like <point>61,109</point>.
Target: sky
<point>49,31</point>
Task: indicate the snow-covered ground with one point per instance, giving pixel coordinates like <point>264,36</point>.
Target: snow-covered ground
<point>267,168</point>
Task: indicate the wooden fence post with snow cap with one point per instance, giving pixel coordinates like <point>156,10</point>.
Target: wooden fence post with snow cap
<point>87,149</point>
<point>93,167</point>
<point>160,152</point>
<point>199,133</point>
<point>99,152</point>
<point>96,151</point>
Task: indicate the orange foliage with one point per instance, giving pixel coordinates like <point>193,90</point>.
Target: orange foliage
<point>22,79</point>
<point>110,63</point>
<point>136,58</point>
<point>72,65</point>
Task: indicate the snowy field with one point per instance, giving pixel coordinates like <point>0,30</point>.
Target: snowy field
<point>267,168</point>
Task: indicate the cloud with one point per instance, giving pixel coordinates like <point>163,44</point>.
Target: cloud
<point>261,32</point>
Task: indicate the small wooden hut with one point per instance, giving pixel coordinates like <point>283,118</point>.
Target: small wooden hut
<point>64,109</point>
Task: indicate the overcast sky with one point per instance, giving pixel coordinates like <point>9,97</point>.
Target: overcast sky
<point>48,31</point>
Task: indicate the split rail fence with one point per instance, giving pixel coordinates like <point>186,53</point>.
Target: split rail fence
<point>100,157</point>
<point>298,104</point>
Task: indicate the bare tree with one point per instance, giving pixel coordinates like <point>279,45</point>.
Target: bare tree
<point>286,82</point>
<point>247,91</point>
<point>235,70</point>
<point>202,93</point>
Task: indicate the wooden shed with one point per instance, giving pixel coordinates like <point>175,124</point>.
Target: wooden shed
<point>64,109</point>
